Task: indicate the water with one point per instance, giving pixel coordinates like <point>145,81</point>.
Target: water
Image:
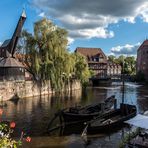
<point>32,115</point>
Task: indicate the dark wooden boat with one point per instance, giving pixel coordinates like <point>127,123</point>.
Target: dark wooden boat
<point>79,115</point>
<point>112,119</point>
<point>82,114</point>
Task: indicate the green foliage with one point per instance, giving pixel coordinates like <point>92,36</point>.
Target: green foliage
<point>47,57</point>
<point>6,130</point>
<point>81,68</point>
<point>5,137</point>
<point>92,73</point>
<point>129,63</point>
<point>128,137</point>
<point>111,58</point>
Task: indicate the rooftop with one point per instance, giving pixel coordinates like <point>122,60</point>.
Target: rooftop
<point>145,43</point>
<point>89,52</point>
<point>10,62</point>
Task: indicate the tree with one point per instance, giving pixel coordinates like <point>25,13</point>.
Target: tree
<point>47,57</point>
<point>82,71</point>
<point>129,63</point>
<point>111,58</point>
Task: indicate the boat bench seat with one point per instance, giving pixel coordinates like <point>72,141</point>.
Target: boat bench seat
<point>108,121</point>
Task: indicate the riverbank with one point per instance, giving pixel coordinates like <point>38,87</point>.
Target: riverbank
<point>32,115</point>
<point>24,89</point>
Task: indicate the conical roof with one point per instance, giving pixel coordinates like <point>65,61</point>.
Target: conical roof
<point>10,62</point>
<point>24,14</point>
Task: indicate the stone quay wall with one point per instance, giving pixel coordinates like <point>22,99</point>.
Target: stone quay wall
<point>23,89</point>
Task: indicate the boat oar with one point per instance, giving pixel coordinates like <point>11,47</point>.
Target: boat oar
<point>84,133</point>
<point>51,121</point>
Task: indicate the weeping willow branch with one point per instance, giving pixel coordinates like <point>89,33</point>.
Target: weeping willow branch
<point>48,58</point>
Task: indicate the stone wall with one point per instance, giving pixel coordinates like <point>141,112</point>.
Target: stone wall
<point>22,89</point>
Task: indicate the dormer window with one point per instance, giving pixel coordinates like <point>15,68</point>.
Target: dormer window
<point>97,59</point>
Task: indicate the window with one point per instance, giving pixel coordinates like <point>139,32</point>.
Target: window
<point>97,59</point>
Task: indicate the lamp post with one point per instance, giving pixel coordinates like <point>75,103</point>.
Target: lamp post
<point>123,80</point>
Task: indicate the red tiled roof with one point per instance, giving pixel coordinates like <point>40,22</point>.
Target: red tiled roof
<point>145,43</point>
<point>89,52</point>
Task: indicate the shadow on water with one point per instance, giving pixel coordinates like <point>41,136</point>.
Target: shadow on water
<point>32,115</point>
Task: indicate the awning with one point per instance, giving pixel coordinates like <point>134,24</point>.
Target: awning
<point>139,121</point>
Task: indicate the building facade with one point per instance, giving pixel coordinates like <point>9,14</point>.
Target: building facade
<point>97,60</point>
<point>142,59</point>
<point>113,69</point>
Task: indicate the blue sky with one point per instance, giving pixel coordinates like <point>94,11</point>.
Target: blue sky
<point>116,26</point>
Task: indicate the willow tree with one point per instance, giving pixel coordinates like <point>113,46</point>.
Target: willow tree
<point>82,71</point>
<point>47,57</point>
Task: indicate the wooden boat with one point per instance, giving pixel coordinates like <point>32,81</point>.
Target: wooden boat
<point>82,114</point>
<point>78,114</point>
<point>112,119</point>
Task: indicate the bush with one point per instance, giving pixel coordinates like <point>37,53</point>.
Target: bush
<point>6,130</point>
<point>127,137</point>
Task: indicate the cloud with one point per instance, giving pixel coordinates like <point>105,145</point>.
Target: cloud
<point>90,19</point>
<point>126,49</point>
<point>42,14</point>
<point>70,40</point>
<point>0,43</point>
<point>90,33</point>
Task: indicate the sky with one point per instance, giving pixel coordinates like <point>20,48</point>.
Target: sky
<point>116,26</point>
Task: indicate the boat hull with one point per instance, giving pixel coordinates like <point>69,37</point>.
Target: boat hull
<point>89,112</point>
<point>94,128</point>
<point>69,117</point>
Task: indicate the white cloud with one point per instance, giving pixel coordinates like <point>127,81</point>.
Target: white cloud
<point>42,14</point>
<point>90,33</point>
<point>130,19</point>
<point>91,18</point>
<point>0,43</point>
<point>127,49</point>
<point>70,40</point>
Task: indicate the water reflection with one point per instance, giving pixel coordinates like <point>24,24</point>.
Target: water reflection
<point>32,114</point>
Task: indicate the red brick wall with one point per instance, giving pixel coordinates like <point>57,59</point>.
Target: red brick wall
<point>142,60</point>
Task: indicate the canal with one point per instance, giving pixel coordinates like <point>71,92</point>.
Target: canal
<point>32,115</point>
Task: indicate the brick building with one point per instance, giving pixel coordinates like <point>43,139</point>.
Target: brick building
<point>97,60</point>
<point>142,59</point>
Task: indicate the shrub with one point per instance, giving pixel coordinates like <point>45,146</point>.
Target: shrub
<point>6,130</point>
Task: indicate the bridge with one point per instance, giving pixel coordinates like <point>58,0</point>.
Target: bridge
<point>111,78</point>
<point>126,77</point>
